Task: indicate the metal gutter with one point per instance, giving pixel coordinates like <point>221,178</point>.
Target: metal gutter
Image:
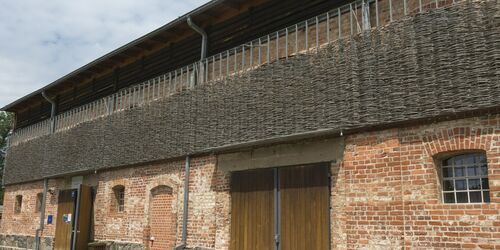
<point>52,112</point>
<point>204,45</point>
<point>52,102</point>
<point>204,37</point>
<point>179,20</point>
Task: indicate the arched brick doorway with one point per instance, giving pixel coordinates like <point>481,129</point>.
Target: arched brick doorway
<point>161,219</point>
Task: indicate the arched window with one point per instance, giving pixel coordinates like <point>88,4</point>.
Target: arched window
<point>18,204</point>
<point>39,198</point>
<point>465,179</point>
<point>119,195</point>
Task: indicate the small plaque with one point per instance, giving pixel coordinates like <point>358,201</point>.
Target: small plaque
<point>66,218</point>
<point>49,219</point>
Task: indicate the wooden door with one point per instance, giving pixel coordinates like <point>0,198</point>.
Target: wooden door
<point>252,210</point>
<point>65,206</point>
<point>82,222</point>
<point>162,220</point>
<point>304,210</point>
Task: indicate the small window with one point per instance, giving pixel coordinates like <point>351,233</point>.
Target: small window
<point>39,200</point>
<point>19,204</point>
<point>465,179</point>
<point>119,192</point>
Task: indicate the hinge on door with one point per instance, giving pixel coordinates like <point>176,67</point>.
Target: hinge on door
<point>277,239</point>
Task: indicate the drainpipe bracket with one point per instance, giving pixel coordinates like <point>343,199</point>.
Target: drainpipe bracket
<point>180,247</point>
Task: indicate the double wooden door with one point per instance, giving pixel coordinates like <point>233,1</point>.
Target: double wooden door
<point>282,208</point>
<point>73,218</point>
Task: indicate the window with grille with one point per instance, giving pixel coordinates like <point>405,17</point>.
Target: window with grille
<point>465,179</point>
<point>18,204</point>
<point>119,192</point>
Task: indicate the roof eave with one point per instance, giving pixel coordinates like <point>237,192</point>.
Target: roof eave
<point>170,25</point>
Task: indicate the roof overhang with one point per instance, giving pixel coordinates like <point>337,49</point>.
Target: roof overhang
<point>203,14</point>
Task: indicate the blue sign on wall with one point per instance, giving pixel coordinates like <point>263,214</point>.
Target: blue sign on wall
<point>49,219</point>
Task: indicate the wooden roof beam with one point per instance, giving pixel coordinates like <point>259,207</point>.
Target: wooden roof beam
<point>116,59</point>
<point>161,39</point>
<point>232,5</point>
<point>86,74</point>
<point>155,42</point>
<point>143,47</point>
<point>93,71</point>
<point>126,55</point>
<point>208,18</point>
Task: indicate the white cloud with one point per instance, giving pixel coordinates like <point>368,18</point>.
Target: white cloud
<point>41,41</point>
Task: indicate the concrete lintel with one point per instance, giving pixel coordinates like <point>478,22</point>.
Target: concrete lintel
<point>283,155</point>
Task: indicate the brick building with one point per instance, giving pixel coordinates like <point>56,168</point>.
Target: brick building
<point>304,125</point>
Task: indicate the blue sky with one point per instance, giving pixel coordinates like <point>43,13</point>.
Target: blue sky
<point>41,41</point>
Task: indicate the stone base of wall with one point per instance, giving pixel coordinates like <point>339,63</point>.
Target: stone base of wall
<point>115,245</point>
<point>24,242</point>
<point>14,242</point>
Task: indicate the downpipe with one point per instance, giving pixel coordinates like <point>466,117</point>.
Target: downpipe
<point>185,206</point>
<point>204,45</point>
<point>45,181</point>
<point>204,37</point>
<point>42,214</point>
<point>52,112</point>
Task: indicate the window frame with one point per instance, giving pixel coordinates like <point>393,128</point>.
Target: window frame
<point>479,175</point>
<point>119,198</point>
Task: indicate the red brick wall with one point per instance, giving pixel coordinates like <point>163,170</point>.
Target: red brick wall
<point>28,220</point>
<point>132,225</point>
<point>222,210</point>
<point>208,201</point>
<point>391,188</point>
